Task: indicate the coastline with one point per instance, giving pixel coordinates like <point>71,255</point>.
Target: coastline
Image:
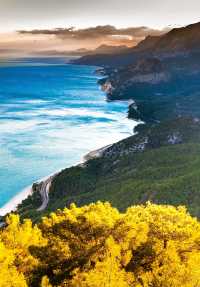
<point>12,204</point>
<point>95,153</point>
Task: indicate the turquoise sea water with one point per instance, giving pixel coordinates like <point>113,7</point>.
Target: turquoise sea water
<point>51,115</point>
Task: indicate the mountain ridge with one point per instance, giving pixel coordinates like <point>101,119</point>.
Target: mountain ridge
<point>161,162</point>
<point>177,41</point>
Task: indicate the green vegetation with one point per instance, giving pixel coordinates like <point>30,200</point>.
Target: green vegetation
<point>145,245</point>
<point>167,171</point>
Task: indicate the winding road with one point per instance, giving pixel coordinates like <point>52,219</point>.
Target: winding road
<point>44,192</point>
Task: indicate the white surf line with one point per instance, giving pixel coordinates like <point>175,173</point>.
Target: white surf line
<point>12,204</point>
<point>46,184</point>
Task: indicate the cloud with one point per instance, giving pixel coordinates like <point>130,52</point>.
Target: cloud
<point>60,40</point>
<point>97,32</point>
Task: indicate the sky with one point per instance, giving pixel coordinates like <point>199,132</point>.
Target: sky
<point>51,14</point>
<point>30,14</point>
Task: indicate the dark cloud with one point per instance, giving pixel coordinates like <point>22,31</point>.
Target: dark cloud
<point>96,32</point>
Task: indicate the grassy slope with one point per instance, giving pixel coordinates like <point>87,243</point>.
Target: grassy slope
<point>162,173</point>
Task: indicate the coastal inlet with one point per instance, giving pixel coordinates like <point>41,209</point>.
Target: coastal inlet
<point>51,115</point>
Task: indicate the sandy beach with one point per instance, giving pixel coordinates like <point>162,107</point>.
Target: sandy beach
<point>16,200</point>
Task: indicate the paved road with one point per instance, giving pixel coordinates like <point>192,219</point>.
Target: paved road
<point>44,192</point>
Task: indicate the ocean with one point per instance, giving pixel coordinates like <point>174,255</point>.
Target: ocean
<point>51,114</point>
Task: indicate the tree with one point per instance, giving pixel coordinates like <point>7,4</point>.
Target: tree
<point>9,275</point>
<point>45,282</point>
<point>97,246</point>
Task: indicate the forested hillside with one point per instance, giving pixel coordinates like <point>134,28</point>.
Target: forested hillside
<point>161,163</point>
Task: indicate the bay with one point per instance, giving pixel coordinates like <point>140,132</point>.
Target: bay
<point>51,114</point>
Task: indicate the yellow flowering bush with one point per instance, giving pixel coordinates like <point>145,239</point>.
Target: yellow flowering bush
<point>97,246</point>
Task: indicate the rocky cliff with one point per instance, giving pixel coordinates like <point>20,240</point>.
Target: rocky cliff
<point>161,162</point>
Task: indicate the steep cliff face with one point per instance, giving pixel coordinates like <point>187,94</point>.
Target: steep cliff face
<point>161,75</point>
<point>150,71</point>
<point>161,87</point>
<point>161,162</point>
<point>185,39</point>
<point>151,78</point>
<point>182,40</point>
<point>147,44</point>
<point>107,87</point>
<point>177,42</point>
